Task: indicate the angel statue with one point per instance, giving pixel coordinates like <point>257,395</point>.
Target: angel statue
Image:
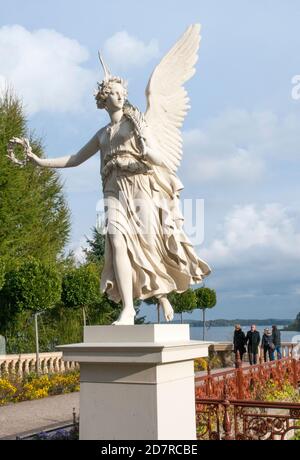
<point>147,253</point>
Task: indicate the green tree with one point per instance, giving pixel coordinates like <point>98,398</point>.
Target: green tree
<point>80,287</point>
<point>295,325</point>
<point>206,298</point>
<point>2,272</point>
<point>35,219</point>
<point>96,250</point>
<point>59,326</point>
<point>104,311</point>
<point>30,286</point>
<point>183,302</point>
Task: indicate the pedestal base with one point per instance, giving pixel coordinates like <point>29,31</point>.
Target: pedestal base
<point>137,382</point>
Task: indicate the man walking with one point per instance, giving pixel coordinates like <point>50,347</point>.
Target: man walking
<point>276,338</point>
<point>252,341</point>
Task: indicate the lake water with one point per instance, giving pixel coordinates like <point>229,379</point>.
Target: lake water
<point>225,334</point>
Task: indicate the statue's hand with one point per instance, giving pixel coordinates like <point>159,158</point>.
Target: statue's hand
<point>28,153</point>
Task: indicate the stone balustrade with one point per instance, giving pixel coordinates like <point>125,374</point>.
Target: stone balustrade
<point>53,362</point>
<point>25,363</point>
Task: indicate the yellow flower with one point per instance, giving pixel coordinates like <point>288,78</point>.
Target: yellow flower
<point>41,393</point>
<point>7,391</point>
<point>200,364</point>
<point>30,392</point>
<point>38,387</point>
<point>41,382</point>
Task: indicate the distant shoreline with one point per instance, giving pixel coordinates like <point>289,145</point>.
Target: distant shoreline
<point>242,322</point>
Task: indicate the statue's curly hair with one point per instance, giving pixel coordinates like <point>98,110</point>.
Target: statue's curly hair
<point>104,89</point>
<point>132,113</point>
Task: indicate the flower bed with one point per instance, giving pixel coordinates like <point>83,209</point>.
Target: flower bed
<point>33,386</point>
<point>273,391</point>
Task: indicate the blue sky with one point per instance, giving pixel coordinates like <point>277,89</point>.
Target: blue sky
<point>241,136</point>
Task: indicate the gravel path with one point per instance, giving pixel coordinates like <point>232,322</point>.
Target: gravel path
<point>31,416</point>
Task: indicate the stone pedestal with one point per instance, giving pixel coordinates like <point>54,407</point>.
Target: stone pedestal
<point>137,382</point>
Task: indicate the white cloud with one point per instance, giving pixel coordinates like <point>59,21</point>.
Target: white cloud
<point>249,159</point>
<point>124,51</point>
<point>237,145</point>
<point>260,235</point>
<point>255,261</point>
<point>45,68</point>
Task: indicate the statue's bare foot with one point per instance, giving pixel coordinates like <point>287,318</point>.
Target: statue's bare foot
<point>126,317</point>
<point>167,308</point>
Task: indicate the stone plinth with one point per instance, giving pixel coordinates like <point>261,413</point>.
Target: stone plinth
<point>137,382</point>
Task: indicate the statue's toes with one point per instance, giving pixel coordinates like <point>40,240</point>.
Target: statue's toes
<point>169,315</point>
<point>127,321</point>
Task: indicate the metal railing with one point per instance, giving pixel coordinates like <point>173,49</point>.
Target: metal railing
<point>244,382</point>
<point>225,419</point>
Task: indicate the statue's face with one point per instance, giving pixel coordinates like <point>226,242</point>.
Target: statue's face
<point>116,98</point>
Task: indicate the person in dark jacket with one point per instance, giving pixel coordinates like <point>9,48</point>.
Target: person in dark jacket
<point>276,334</point>
<point>267,345</point>
<point>252,341</point>
<point>239,342</point>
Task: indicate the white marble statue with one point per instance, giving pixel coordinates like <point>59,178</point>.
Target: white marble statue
<point>147,253</point>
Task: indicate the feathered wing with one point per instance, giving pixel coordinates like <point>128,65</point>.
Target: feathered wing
<point>167,100</point>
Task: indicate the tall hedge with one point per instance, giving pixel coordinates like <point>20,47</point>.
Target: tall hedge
<point>34,217</point>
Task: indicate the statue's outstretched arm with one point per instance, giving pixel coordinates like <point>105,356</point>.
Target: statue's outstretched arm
<point>68,161</point>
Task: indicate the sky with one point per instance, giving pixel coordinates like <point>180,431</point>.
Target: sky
<point>241,157</point>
